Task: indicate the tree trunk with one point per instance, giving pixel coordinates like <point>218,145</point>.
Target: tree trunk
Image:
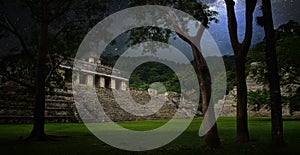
<point>37,132</point>
<point>242,117</point>
<point>273,77</point>
<point>240,53</point>
<point>212,139</point>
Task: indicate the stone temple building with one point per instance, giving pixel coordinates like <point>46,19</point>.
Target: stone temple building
<point>17,103</point>
<point>94,74</point>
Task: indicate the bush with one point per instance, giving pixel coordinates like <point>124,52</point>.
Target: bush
<point>258,98</point>
<point>295,102</point>
<point>144,86</point>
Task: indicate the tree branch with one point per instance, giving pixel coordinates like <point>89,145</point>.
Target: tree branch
<point>193,41</point>
<point>53,67</point>
<point>232,26</point>
<point>250,7</point>
<point>11,28</point>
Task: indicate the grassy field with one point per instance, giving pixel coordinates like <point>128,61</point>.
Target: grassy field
<point>76,139</point>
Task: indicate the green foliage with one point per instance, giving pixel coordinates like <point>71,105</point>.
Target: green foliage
<point>258,98</point>
<point>144,86</point>
<point>151,72</point>
<point>288,38</point>
<point>295,102</point>
<point>230,71</point>
<point>257,54</point>
<point>155,72</point>
<point>192,7</point>
<point>287,48</point>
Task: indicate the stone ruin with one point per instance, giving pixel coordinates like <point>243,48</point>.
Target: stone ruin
<point>16,102</point>
<point>229,101</point>
<point>17,105</point>
<point>93,73</point>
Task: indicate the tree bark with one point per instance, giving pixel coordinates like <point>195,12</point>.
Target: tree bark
<point>242,116</point>
<point>240,53</point>
<point>273,77</point>
<point>39,109</point>
<point>38,132</point>
<point>212,138</point>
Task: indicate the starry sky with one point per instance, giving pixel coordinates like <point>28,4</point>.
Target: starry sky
<point>283,11</point>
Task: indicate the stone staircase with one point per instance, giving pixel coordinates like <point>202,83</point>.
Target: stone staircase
<point>229,107</point>
<point>114,111</point>
<point>16,105</point>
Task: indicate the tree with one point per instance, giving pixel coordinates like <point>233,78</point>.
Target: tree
<point>287,38</point>
<point>272,74</point>
<point>200,12</point>
<point>240,53</point>
<point>58,32</point>
<point>211,137</point>
<point>49,12</point>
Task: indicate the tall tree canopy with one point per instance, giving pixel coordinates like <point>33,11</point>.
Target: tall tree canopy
<point>56,27</point>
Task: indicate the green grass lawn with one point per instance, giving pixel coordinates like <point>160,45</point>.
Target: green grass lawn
<point>76,139</point>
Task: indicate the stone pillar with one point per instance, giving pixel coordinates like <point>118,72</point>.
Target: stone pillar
<point>101,82</point>
<point>76,77</point>
<point>120,85</point>
<point>123,85</point>
<point>113,83</point>
<point>90,80</point>
<point>91,60</point>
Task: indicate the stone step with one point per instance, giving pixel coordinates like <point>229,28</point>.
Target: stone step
<point>57,97</point>
<point>49,101</point>
<point>16,112</point>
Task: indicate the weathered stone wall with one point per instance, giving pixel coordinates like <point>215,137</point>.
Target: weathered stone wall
<point>17,105</point>
<point>114,111</point>
<point>229,108</point>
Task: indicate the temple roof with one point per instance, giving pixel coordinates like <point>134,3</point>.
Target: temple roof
<point>91,68</point>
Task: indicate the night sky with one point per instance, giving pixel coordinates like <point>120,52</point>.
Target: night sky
<point>283,11</point>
